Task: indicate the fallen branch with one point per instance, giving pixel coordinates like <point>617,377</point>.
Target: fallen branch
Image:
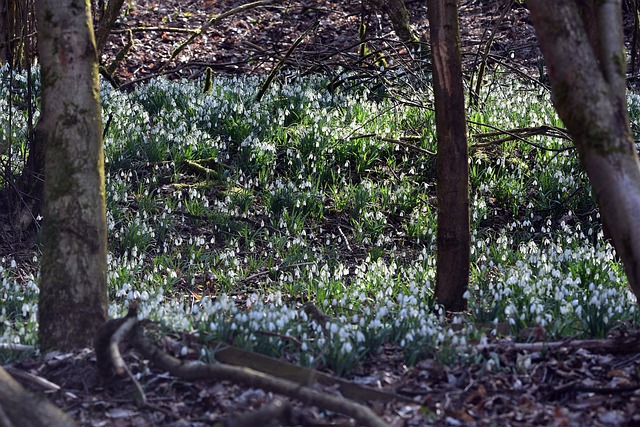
<point>520,135</point>
<point>109,336</point>
<point>20,408</point>
<point>301,375</point>
<point>278,410</point>
<point>16,347</point>
<point>28,377</point>
<point>156,29</point>
<point>108,358</point>
<point>629,344</point>
<point>401,142</point>
<point>196,370</point>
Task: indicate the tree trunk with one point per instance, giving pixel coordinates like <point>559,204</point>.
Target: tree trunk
<point>31,183</point>
<point>399,17</point>
<point>589,93</point>
<point>452,167</point>
<point>73,286</point>
<point>108,15</point>
<point>17,24</point>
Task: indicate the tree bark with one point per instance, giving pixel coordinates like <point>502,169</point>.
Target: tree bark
<point>452,166</point>
<point>399,17</point>
<point>31,183</point>
<point>107,19</point>
<point>589,93</point>
<point>73,285</point>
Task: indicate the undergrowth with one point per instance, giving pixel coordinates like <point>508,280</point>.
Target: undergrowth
<point>311,215</point>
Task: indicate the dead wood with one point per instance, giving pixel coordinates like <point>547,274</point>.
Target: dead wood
<point>16,347</point>
<point>278,412</point>
<point>20,408</point>
<point>109,336</point>
<point>196,370</point>
<point>114,333</point>
<point>623,345</point>
<point>28,377</point>
<point>401,142</point>
<point>521,134</point>
<point>303,376</point>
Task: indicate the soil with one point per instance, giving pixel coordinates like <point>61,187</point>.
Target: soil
<point>253,41</point>
<point>564,387</point>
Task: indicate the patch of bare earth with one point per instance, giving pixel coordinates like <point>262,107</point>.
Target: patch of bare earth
<point>254,40</point>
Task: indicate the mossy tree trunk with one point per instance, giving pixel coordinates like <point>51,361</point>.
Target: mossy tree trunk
<point>31,183</point>
<point>399,17</point>
<point>589,92</point>
<point>452,166</point>
<point>73,287</point>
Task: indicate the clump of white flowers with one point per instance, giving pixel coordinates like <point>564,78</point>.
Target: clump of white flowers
<point>226,216</point>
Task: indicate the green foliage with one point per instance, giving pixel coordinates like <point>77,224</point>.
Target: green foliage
<point>308,196</point>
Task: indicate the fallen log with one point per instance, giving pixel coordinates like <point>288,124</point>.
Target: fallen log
<point>618,345</point>
<point>21,408</point>
<point>116,331</point>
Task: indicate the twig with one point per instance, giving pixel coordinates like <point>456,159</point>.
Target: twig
<point>578,387</point>
<point>552,131</point>
<point>141,394</point>
<point>265,272</point>
<point>606,390</point>
<point>475,93</point>
<point>106,125</point>
<point>395,141</point>
<point>346,241</point>
<point>212,21</point>
<point>31,378</point>
<point>626,361</point>
<point>275,70</point>
<point>163,29</point>
<point>513,135</point>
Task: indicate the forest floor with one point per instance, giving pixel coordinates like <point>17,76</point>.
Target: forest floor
<point>565,386</point>
<point>253,41</point>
